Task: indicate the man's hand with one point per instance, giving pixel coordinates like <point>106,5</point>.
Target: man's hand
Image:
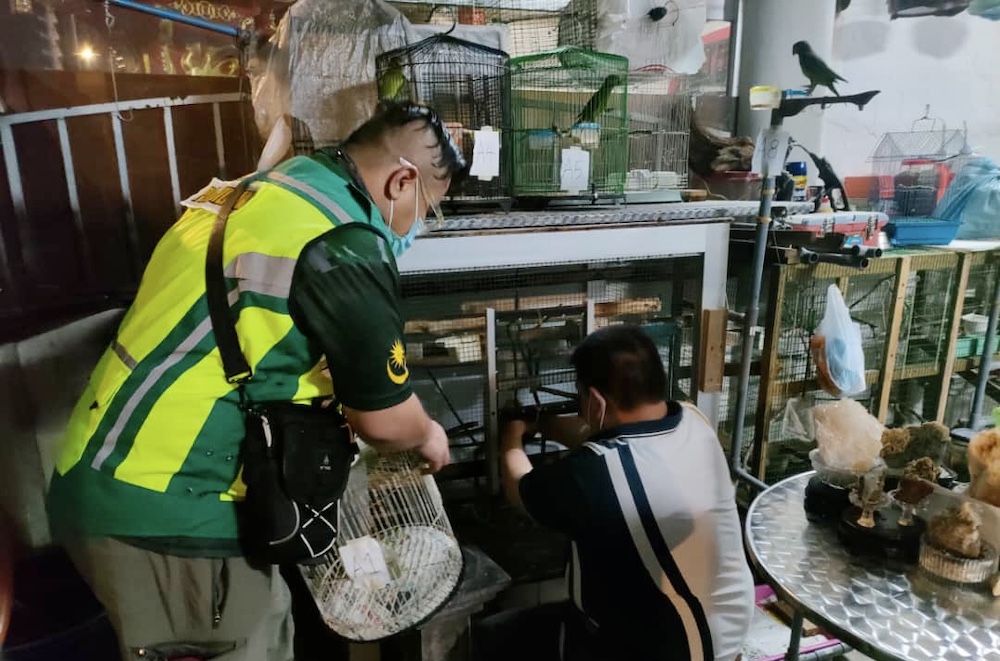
<point>514,432</point>
<point>435,450</point>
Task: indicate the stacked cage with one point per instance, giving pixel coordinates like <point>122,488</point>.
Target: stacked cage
<point>468,85</point>
<point>659,121</point>
<point>565,102</point>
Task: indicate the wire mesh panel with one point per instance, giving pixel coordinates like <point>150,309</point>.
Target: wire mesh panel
<point>467,84</point>
<point>541,314</point>
<point>977,299</point>
<point>659,131</point>
<point>562,100</point>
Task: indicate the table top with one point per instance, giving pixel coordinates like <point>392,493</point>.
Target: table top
<point>884,609</point>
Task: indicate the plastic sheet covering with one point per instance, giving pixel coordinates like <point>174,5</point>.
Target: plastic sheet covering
<point>318,70</point>
<point>652,35</point>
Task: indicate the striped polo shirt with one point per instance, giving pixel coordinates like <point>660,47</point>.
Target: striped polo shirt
<point>657,555</point>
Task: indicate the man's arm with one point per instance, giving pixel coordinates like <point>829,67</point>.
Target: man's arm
<point>514,462</point>
<point>405,426</point>
<point>550,494</point>
<point>569,430</point>
<point>344,297</point>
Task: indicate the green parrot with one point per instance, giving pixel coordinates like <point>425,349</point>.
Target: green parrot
<point>814,68</point>
<point>393,82</point>
<point>598,104</point>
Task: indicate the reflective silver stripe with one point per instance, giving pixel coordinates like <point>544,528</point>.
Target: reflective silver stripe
<point>124,355</point>
<point>189,343</point>
<point>262,274</point>
<point>327,203</point>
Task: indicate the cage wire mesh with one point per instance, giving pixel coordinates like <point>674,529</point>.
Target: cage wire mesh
<point>869,298</point>
<point>540,318</point>
<point>563,99</point>
<point>656,35</point>
<point>977,300</point>
<point>532,25</point>
<point>467,84</point>
<point>659,131</point>
<point>411,567</point>
<point>894,148</point>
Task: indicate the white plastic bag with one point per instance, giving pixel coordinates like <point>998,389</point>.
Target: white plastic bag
<point>837,348</point>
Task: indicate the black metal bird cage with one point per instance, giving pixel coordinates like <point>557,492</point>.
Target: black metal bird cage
<point>468,85</point>
<point>566,100</point>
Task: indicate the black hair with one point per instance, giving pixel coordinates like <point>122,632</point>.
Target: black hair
<point>622,362</point>
<point>390,115</point>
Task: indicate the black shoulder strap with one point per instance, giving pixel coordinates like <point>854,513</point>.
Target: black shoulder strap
<point>216,293</point>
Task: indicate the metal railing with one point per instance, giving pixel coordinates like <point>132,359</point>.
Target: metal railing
<point>15,184</point>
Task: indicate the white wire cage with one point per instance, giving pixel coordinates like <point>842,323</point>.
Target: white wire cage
<point>397,560</point>
<point>659,131</point>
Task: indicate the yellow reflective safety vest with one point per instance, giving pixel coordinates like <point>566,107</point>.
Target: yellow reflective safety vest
<point>152,448</point>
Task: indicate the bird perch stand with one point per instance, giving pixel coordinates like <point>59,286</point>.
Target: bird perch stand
<point>791,106</point>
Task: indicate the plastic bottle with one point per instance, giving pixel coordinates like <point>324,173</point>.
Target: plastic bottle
<point>800,175</point>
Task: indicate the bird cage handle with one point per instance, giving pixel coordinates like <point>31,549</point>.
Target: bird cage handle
<point>927,118</point>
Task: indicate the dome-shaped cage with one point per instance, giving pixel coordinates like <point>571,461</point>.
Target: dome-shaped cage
<point>397,560</point>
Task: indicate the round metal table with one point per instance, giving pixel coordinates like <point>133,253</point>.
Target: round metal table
<point>885,610</point>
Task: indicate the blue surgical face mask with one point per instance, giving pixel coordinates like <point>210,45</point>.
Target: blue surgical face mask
<point>400,244</point>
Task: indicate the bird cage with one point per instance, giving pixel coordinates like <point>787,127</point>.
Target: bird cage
<point>896,150</point>
<point>468,85</point>
<point>569,124</point>
<point>659,132</point>
<point>397,560</point>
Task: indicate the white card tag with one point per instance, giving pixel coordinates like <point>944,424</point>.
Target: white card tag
<point>364,562</point>
<point>485,154</point>
<point>769,152</point>
<point>574,171</point>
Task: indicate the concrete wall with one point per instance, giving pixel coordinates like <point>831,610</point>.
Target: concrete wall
<point>770,29</point>
<point>953,64</point>
<point>40,381</point>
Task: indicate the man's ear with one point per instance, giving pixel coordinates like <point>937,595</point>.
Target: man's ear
<point>399,181</point>
<point>596,395</point>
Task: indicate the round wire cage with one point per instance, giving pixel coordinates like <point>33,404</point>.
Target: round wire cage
<point>397,560</point>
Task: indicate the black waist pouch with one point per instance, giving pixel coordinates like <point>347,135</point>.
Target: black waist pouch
<point>296,463</point>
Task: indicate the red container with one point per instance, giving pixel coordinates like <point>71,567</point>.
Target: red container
<point>862,224</point>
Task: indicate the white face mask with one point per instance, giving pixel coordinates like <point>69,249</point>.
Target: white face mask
<point>592,397</point>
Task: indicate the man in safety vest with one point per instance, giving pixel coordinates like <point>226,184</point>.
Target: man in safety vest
<point>148,474</point>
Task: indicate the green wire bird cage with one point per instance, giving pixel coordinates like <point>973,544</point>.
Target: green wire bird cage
<point>468,85</point>
<point>569,124</point>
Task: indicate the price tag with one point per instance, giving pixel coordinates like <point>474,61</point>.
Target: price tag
<point>574,171</point>
<point>485,154</point>
<point>769,152</point>
<point>364,562</point>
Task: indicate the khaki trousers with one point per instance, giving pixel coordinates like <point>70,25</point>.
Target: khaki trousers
<point>168,607</point>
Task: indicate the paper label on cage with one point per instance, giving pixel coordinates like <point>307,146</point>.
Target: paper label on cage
<point>574,171</point>
<point>364,562</point>
<point>485,154</point>
<point>769,152</point>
